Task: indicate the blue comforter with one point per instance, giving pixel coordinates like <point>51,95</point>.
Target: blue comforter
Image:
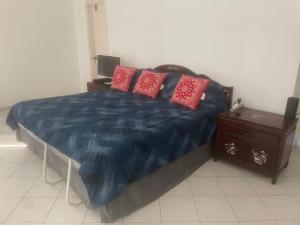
<point>118,137</point>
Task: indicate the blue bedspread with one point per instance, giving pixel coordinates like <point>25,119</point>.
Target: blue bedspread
<point>118,137</point>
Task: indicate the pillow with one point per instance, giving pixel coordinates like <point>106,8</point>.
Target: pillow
<point>189,90</point>
<point>149,83</point>
<point>137,76</point>
<point>122,78</point>
<point>170,84</point>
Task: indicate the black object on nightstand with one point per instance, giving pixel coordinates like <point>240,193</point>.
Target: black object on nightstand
<point>98,84</point>
<point>258,140</point>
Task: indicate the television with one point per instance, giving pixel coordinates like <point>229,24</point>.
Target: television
<point>107,64</point>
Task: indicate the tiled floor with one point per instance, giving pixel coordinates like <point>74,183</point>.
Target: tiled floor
<point>217,194</point>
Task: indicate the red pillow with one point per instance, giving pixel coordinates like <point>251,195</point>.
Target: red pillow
<point>149,83</point>
<point>122,78</point>
<point>189,90</point>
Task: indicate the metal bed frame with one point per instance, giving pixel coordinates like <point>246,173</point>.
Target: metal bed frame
<point>67,159</point>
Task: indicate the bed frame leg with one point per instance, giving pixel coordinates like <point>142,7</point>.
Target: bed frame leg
<point>44,177</point>
<point>68,184</point>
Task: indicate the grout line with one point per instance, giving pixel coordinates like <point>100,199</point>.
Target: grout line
<point>226,197</point>
<point>52,206</point>
<point>21,164</point>
<point>159,204</point>
<point>193,198</point>
<point>85,216</point>
<point>18,203</point>
<point>261,198</point>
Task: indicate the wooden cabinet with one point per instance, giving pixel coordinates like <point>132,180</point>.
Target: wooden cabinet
<point>258,140</point>
<point>98,84</point>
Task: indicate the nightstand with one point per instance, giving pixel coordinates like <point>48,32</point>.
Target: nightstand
<point>258,140</point>
<point>98,84</point>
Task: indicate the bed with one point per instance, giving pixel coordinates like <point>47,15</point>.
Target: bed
<point>120,151</point>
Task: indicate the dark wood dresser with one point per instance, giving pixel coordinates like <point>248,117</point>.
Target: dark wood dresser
<point>258,140</point>
<point>98,84</point>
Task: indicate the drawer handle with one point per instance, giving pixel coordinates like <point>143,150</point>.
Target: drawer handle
<point>259,157</point>
<point>231,149</point>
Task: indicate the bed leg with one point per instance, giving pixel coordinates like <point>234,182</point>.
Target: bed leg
<point>44,177</point>
<point>68,184</point>
<point>44,163</point>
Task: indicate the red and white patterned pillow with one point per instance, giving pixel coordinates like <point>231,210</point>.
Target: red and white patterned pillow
<point>122,78</point>
<point>149,83</point>
<point>189,90</point>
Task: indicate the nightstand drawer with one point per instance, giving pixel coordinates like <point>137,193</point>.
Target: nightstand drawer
<point>231,147</point>
<point>259,155</point>
<point>248,132</point>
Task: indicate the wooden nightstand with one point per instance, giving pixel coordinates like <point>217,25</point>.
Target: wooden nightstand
<point>98,84</point>
<point>255,139</point>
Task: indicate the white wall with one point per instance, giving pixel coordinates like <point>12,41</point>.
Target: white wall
<point>251,45</point>
<point>83,45</point>
<point>38,50</point>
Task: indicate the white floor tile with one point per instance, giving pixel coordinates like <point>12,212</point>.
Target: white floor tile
<point>17,155</point>
<point>295,155</point>
<point>2,180</point>
<point>16,187</point>
<point>3,151</point>
<point>149,213</point>
<point>205,186</point>
<point>283,207</point>
<point>288,222</point>
<point>7,204</point>
<point>125,223</point>
<point>31,210</point>
<point>7,169</point>
<point>208,185</point>
<point>204,171</point>
<point>214,208</point>
<point>178,208</point>
<point>68,223</point>
<point>236,186</point>
<point>181,223</point>
<point>92,216</point>
<point>290,184</point>
<point>250,208</point>
<point>10,139</point>
<point>22,224</point>
<point>114,224</point>
<point>220,223</point>
<point>260,223</point>
<point>221,168</point>
<point>42,189</point>
<point>63,213</point>
<point>33,158</point>
<point>72,193</point>
<point>5,130</point>
<point>297,198</point>
<point>180,189</point>
<point>263,186</point>
<point>29,169</point>
<point>293,170</point>
<point>50,173</point>
<point>251,173</point>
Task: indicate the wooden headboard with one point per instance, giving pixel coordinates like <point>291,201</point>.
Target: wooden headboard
<point>228,91</point>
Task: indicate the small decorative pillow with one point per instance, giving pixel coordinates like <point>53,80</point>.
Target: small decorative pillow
<point>122,78</point>
<point>189,90</point>
<point>149,83</point>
